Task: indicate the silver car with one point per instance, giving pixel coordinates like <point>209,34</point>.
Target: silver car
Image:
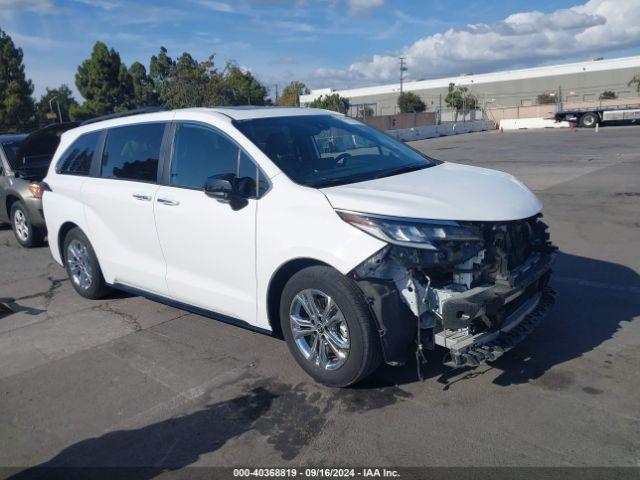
<point>24,160</point>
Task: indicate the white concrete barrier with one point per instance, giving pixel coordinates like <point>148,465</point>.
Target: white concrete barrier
<point>431,131</point>
<point>525,123</point>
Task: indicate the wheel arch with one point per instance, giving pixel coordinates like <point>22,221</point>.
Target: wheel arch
<point>64,229</point>
<point>9,201</point>
<point>276,285</point>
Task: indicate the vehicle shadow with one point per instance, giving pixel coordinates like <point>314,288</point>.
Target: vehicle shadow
<point>146,452</point>
<point>594,298</point>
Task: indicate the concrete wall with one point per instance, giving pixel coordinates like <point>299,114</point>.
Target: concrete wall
<point>526,123</point>
<point>432,131</point>
<point>401,120</point>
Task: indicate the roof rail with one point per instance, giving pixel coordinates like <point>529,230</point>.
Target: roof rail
<point>126,113</point>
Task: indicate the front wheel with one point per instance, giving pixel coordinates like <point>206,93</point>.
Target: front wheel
<point>328,327</point>
<point>26,234</point>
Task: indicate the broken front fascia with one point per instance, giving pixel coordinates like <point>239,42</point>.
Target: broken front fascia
<point>467,296</point>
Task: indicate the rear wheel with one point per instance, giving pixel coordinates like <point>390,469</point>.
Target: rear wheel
<point>82,266</point>
<point>328,327</point>
<point>589,120</point>
<point>26,234</point>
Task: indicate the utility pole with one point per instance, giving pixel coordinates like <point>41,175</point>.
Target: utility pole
<point>403,68</point>
<point>559,99</point>
<point>276,94</point>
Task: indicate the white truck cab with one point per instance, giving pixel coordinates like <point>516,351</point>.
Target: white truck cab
<point>303,223</point>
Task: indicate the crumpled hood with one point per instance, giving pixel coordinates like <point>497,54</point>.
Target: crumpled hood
<point>448,191</point>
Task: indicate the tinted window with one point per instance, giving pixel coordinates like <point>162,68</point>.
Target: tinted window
<point>324,150</point>
<point>132,152</point>
<point>200,152</point>
<point>11,151</point>
<point>76,160</point>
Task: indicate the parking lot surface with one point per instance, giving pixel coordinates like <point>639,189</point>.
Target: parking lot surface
<point>126,381</point>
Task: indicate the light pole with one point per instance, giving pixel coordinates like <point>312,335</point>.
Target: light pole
<point>58,105</point>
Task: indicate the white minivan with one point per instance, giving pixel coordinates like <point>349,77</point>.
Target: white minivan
<point>306,224</point>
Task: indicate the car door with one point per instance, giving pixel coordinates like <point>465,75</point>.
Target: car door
<point>209,244</point>
<point>119,200</point>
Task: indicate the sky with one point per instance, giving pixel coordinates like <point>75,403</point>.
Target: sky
<point>325,43</point>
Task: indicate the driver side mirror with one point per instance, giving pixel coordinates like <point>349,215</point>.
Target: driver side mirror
<point>225,190</point>
<point>218,188</point>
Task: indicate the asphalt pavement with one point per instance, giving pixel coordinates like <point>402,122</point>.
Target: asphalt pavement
<point>126,381</point>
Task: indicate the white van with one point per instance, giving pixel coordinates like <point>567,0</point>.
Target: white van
<point>302,223</point>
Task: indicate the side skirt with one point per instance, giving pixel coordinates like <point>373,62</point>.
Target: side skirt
<point>190,308</point>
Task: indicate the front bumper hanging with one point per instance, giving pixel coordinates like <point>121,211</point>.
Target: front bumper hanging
<point>467,350</point>
<point>475,326</point>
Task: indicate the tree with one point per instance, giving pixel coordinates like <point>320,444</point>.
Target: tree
<point>291,94</point>
<point>61,97</point>
<point>460,99</point>
<point>409,102</point>
<point>364,111</point>
<point>160,67</point>
<point>187,82</point>
<point>16,105</point>
<point>635,81</point>
<point>608,95</point>
<point>546,99</point>
<point>240,87</point>
<point>331,102</point>
<point>144,92</point>
<point>104,82</point>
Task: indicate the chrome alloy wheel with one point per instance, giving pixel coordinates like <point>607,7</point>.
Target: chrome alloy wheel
<point>319,329</point>
<point>21,225</point>
<point>79,264</point>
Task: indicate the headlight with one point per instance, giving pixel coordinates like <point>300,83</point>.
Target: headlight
<point>416,233</point>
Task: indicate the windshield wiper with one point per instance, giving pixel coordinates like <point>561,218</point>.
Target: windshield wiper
<point>366,177</point>
<point>340,181</point>
<point>398,171</point>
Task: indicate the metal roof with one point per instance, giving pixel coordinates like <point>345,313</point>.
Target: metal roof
<point>469,80</point>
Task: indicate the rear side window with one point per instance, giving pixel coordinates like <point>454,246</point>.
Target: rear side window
<point>133,152</point>
<point>11,152</point>
<point>76,160</point>
<point>200,152</point>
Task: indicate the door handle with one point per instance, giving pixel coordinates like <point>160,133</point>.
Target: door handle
<point>166,201</point>
<point>140,196</point>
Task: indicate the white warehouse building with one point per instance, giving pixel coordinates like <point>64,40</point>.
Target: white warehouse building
<point>574,82</point>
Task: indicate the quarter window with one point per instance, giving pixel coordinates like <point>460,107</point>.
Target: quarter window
<point>200,152</point>
<point>77,158</point>
<point>133,152</point>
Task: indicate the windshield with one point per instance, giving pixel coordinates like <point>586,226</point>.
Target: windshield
<point>326,150</point>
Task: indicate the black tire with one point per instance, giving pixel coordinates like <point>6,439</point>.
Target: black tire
<point>26,234</point>
<point>97,288</point>
<point>589,120</point>
<point>364,353</point>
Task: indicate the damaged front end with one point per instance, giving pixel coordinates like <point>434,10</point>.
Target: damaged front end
<point>474,288</point>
